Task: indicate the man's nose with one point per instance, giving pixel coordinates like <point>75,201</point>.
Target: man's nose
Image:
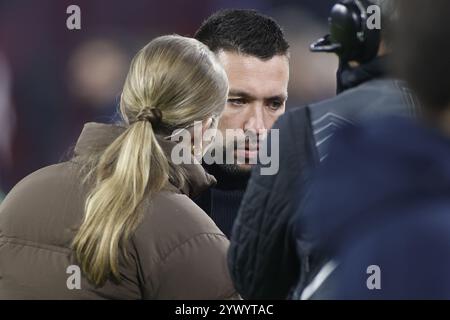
<point>255,122</point>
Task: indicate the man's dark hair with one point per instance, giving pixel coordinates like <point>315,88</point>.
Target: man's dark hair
<point>243,31</point>
<point>423,48</point>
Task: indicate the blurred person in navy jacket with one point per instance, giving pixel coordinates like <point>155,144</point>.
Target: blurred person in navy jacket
<point>384,231</point>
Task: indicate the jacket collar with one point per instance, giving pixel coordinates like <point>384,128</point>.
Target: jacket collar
<point>96,137</point>
<point>228,177</point>
<point>348,78</point>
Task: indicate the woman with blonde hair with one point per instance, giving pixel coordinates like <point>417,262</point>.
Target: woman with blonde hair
<point>116,222</point>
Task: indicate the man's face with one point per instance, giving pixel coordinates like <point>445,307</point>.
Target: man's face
<point>257,97</point>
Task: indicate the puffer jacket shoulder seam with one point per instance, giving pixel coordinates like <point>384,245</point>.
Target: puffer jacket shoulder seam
<point>182,244</point>
<point>27,243</point>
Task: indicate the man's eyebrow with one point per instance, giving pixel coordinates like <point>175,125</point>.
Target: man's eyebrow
<point>242,94</point>
<point>246,95</point>
<point>282,97</point>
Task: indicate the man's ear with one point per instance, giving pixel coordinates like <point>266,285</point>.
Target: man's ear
<point>384,49</point>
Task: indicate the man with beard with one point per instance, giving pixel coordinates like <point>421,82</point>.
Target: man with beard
<point>254,53</point>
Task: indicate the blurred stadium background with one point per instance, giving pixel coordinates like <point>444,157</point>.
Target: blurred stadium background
<point>53,80</point>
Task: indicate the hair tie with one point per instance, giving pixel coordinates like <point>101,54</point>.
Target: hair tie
<point>152,115</point>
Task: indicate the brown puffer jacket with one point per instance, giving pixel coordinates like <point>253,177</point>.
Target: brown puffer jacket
<point>177,252</point>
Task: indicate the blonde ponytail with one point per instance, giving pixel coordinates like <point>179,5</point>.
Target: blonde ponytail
<point>182,79</point>
<point>122,177</point>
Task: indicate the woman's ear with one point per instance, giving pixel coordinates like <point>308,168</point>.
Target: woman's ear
<point>206,124</point>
